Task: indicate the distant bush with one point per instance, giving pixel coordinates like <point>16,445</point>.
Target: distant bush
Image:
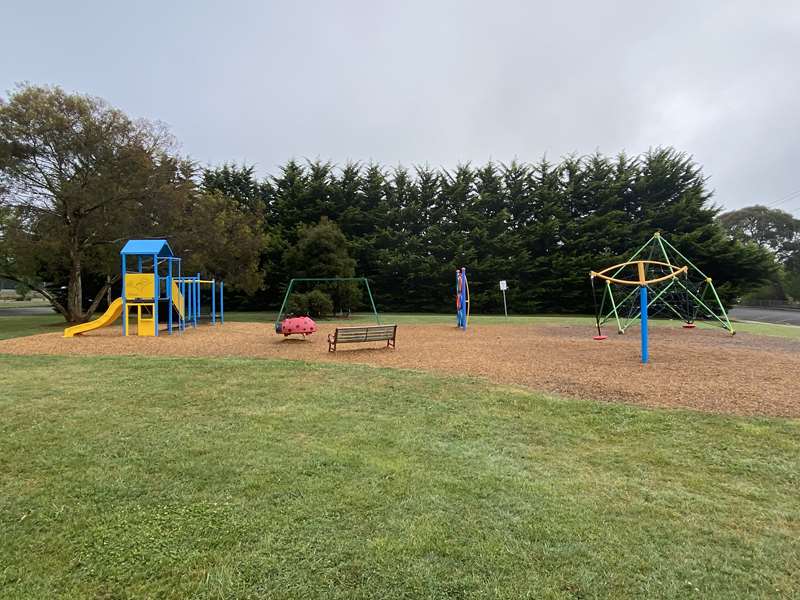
<point>23,292</point>
<point>315,303</point>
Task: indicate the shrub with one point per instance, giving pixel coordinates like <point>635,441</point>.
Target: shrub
<point>315,303</point>
<point>23,292</point>
<point>319,304</point>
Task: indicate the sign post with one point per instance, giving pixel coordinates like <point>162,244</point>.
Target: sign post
<point>503,288</point>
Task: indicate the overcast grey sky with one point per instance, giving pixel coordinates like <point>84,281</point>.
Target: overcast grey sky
<point>439,82</point>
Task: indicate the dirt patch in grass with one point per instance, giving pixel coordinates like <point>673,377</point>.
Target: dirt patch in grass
<point>705,370</point>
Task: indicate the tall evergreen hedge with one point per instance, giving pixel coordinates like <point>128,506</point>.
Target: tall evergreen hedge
<point>540,226</point>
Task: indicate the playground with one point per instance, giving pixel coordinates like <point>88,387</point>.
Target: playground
<point>173,434</point>
<point>691,368</point>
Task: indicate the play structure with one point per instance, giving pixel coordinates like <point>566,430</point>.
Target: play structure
<point>666,282</point>
<point>291,324</point>
<point>154,288</point>
<point>462,298</point>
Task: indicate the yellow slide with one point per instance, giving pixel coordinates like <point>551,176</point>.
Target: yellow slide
<point>112,314</point>
<point>177,299</point>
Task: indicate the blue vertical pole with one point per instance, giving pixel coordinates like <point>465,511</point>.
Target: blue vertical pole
<point>180,289</point>
<point>213,302</point>
<point>169,296</point>
<point>156,293</point>
<point>221,303</point>
<point>190,283</point>
<point>198,295</point>
<point>643,308</point>
<point>139,263</point>
<point>185,305</point>
<point>124,305</point>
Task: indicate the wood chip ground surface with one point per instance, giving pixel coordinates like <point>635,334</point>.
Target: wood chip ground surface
<point>698,369</point>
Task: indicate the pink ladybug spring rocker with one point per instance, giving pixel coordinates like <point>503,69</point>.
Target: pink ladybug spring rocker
<point>296,325</point>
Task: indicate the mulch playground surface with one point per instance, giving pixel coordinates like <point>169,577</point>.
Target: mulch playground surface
<point>700,369</point>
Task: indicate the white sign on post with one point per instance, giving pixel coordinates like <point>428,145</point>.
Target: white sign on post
<point>503,288</point>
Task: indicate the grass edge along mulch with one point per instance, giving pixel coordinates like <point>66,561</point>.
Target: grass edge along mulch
<point>176,477</point>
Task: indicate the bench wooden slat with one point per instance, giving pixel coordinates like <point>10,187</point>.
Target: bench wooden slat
<point>377,336</point>
<point>371,333</point>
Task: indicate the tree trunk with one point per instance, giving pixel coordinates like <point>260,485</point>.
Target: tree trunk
<point>75,287</point>
<point>44,292</point>
<point>104,291</point>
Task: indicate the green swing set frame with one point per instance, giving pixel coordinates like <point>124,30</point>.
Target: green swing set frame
<point>321,279</point>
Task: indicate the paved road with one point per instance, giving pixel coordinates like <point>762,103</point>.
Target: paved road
<point>766,315</point>
<point>24,311</point>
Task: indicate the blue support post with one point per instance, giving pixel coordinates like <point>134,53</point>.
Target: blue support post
<point>124,304</point>
<point>213,302</point>
<point>169,296</point>
<point>194,301</point>
<point>139,263</point>
<point>156,293</point>
<point>221,304</point>
<point>190,293</point>
<point>198,297</point>
<point>643,309</point>
<point>185,305</point>
<point>180,289</point>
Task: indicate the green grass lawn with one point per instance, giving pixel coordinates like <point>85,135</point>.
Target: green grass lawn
<point>12,302</point>
<point>172,478</point>
<point>17,326</point>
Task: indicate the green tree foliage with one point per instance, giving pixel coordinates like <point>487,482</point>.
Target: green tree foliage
<point>540,226</point>
<point>315,303</point>
<point>770,228</point>
<point>23,291</point>
<point>78,178</point>
<point>777,232</point>
<point>322,250</point>
<point>78,172</point>
<point>239,184</point>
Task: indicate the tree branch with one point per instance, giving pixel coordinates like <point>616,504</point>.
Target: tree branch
<point>99,296</point>
<point>37,288</point>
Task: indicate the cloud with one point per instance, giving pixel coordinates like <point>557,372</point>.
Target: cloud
<point>441,82</point>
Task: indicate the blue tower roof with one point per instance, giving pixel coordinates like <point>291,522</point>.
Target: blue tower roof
<point>149,247</point>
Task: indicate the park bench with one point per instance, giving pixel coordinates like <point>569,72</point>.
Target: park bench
<point>367,333</point>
